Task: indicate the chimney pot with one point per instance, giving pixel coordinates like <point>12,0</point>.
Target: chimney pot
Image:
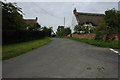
<point>36,18</point>
<point>74,11</point>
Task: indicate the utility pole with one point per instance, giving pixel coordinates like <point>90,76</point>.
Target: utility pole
<point>119,6</point>
<point>64,21</point>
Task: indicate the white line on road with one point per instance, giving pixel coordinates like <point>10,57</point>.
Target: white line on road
<point>114,51</point>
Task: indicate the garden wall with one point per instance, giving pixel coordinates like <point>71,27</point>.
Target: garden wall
<point>86,36</point>
<point>113,37</point>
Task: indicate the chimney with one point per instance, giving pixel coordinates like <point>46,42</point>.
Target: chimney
<point>74,11</point>
<point>36,18</point>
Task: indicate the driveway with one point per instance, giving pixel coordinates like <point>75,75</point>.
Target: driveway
<point>63,58</point>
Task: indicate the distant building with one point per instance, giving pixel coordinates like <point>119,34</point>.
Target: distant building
<point>31,20</point>
<point>88,18</point>
<point>119,5</point>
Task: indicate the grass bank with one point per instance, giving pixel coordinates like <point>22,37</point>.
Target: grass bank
<point>107,44</point>
<point>13,50</point>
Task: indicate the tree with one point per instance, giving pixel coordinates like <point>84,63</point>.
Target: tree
<point>110,25</point>
<point>67,31</point>
<point>61,31</point>
<point>112,18</point>
<point>12,18</point>
<point>100,30</point>
<point>33,26</point>
<point>47,30</point>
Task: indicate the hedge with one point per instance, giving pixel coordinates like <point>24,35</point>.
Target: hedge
<point>16,36</point>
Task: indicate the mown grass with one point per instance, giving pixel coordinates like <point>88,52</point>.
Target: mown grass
<point>107,44</point>
<point>13,50</point>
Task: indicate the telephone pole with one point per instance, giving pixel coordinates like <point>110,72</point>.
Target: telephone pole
<point>119,5</point>
<point>64,21</point>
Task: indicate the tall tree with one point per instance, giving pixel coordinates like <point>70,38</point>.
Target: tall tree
<point>12,18</point>
<point>33,26</point>
<point>112,18</point>
<point>61,31</point>
<point>47,30</point>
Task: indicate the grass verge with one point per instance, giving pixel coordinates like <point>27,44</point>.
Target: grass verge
<point>107,44</point>
<point>60,37</point>
<point>13,50</point>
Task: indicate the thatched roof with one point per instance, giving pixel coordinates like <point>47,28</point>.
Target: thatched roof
<point>93,18</point>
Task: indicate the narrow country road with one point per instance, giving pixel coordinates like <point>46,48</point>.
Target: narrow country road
<point>63,58</point>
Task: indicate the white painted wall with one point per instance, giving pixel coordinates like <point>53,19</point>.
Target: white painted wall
<point>74,23</point>
<point>119,5</point>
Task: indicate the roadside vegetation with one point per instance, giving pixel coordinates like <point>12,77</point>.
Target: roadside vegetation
<point>62,31</point>
<point>110,25</point>
<point>107,44</point>
<point>12,50</point>
<point>19,35</point>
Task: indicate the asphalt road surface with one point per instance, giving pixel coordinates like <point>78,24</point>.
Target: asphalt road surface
<point>63,58</point>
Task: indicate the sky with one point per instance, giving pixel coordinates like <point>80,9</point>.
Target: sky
<point>51,14</point>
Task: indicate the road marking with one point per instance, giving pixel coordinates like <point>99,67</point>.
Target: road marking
<point>114,51</point>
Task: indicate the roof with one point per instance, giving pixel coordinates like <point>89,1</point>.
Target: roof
<point>30,20</point>
<point>93,18</point>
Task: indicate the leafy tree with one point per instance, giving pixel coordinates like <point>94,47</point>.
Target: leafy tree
<point>100,30</point>
<point>112,18</point>
<point>61,31</point>
<point>33,26</point>
<point>110,25</point>
<point>67,31</point>
<point>12,18</point>
<point>47,30</point>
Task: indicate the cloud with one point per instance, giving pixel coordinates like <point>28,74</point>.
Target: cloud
<point>53,13</point>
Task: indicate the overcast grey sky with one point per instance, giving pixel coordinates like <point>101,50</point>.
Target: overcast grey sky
<point>51,14</point>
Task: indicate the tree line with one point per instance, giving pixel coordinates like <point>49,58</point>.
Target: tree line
<point>62,31</point>
<point>12,19</point>
<point>16,29</point>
